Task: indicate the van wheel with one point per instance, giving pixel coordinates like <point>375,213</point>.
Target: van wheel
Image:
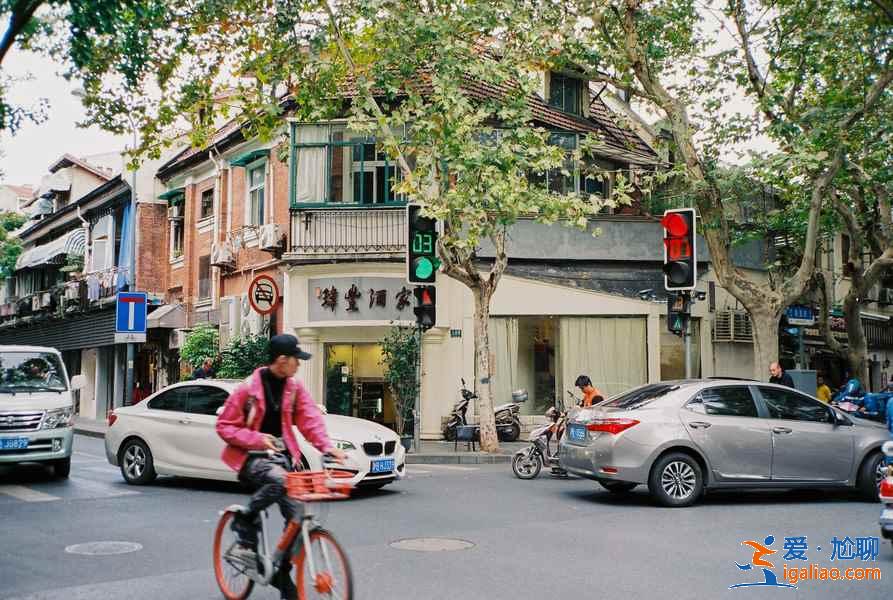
<point>870,475</point>
<point>137,466</point>
<point>676,480</point>
<point>61,468</point>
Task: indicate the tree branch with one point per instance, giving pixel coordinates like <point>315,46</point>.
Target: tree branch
<point>886,9</point>
<point>757,81</point>
<point>823,287</point>
<point>22,12</point>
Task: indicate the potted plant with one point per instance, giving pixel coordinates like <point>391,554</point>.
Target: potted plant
<point>400,356</point>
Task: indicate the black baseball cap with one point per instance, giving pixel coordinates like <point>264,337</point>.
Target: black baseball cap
<point>286,345</point>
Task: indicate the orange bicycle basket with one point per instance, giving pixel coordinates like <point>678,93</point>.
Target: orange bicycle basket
<point>317,486</point>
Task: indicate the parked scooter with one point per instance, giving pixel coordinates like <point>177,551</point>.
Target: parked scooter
<point>866,405</point>
<point>507,416</point>
<point>886,495</point>
<point>527,463</point>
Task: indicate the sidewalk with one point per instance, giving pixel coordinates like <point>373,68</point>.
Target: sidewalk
<point>432,452</point>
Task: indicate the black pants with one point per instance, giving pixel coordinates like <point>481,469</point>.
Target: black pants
<point>269,475</point>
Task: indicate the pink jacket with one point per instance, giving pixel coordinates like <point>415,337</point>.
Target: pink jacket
<point>239,423</point>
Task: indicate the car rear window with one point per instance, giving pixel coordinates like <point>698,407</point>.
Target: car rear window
<point>639,397</point>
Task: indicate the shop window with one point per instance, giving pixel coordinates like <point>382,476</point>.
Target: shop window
<point>525,352</point>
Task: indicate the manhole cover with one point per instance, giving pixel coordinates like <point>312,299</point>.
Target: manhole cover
<point>432,544</point>
<point>103,548</point>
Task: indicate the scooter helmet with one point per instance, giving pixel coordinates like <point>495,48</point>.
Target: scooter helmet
<point>582,381</point>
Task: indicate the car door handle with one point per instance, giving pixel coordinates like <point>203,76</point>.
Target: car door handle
<point>699,425</point>
<point>185,421</point>
<point>781,430</point>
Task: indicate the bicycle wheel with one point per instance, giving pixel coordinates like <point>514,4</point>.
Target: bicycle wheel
<point>231,577</point>
<point>332,579</point>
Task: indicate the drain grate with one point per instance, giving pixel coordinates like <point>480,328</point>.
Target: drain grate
<point>103,548</point>
<point>432,544</point>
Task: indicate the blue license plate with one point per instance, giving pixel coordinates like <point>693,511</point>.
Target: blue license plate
<point>13,443</point>
<point>576,433</point>
<point>383,466</point>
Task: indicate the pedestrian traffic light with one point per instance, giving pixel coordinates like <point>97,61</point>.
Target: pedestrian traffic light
<point>680,262</point>
<point>426,306</point>
<point>421,251</point>
<point>678,313</point>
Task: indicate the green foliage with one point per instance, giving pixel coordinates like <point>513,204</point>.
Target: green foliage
<point>201,343</point>
<point>400,357</point>
<point>12,220</point>
<point>242,355</point>
<point>10,247</point>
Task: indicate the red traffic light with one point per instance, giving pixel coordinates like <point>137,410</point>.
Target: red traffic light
<point>675,224</point>
<point>425,299</point>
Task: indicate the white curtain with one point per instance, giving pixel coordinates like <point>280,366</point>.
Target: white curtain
<point>99,251</point>
<point>612,351</point>
<point>310,177</point>
<point>504,349</point>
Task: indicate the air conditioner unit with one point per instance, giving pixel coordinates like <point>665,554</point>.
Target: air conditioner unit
<point>732,326</point>
<point>222,256</point>
<point>175,212</point>
<point>178,338</point>
<point>269,237</point>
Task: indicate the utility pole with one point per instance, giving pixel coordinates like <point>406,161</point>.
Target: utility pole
<point>417,409</point>
<point>131,275</point>
<point>687,336</point>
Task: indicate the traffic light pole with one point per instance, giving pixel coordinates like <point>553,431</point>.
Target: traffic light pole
<point>417,409</point>
<point>687,337</point>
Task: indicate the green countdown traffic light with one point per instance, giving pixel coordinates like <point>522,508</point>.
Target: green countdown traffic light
<point>423,267</point>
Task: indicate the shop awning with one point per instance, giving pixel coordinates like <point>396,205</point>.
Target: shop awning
<point>249,157</point>
<point>72,242</point>
<point>169,316</point>
<point>173,195</point>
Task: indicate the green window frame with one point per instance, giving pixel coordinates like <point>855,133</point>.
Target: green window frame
<point>357,172</point>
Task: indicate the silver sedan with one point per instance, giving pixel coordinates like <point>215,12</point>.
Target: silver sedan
<point>682,437</point>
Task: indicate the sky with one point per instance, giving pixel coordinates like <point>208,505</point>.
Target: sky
<point>28,154</point>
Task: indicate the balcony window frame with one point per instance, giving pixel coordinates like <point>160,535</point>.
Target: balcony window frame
<point>359,163</point>
<point>570,106</point>
<point>206,194</point>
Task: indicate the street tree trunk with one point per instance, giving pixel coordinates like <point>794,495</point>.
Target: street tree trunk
<point>857,346</point>
<point>484,369</point>
<point>765,340</point>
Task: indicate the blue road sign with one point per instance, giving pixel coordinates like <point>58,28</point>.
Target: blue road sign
<point>130,312</point>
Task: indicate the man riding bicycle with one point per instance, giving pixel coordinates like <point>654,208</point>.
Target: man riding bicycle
<point>256,416</point>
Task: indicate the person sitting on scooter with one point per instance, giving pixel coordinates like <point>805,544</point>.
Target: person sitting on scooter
<point>591,395</point>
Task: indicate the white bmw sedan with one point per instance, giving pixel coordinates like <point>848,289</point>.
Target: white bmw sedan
<point>173,432</point>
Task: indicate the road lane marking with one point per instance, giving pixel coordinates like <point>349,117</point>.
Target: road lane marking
<point>102,489</point>
<point>447,467</point>
<point>20,492</point>
<point>97,456</point>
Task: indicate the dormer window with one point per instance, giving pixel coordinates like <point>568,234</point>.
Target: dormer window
<point>566,93</point>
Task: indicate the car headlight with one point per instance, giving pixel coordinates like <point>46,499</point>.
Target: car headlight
<point>61,417</point>
<point>343,445</point>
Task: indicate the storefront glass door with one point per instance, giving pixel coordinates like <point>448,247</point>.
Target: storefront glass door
<point>355,384</point>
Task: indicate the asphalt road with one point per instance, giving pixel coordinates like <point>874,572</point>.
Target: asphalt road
<point>532,539</point>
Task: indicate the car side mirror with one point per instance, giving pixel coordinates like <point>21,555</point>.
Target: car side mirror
<point>839,419</point>
<point>78,382</point>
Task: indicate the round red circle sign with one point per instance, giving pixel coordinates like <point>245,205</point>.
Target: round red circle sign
<point>263,294</point>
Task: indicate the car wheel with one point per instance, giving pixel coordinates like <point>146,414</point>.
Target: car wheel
<point>137,466</point>
<point>676,480</point>
<point>617,487</point>
<point>61,468</point>
<point>870,475</point>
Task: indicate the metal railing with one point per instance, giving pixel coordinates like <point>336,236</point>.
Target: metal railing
<point>348,230</point>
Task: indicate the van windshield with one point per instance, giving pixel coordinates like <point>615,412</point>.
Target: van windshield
<point>31,372</point>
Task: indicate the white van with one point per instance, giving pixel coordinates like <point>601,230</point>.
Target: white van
<point>36,407</point>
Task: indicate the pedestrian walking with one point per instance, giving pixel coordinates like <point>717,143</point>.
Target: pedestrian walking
<point>779,375</point>
<point>205,371</point>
